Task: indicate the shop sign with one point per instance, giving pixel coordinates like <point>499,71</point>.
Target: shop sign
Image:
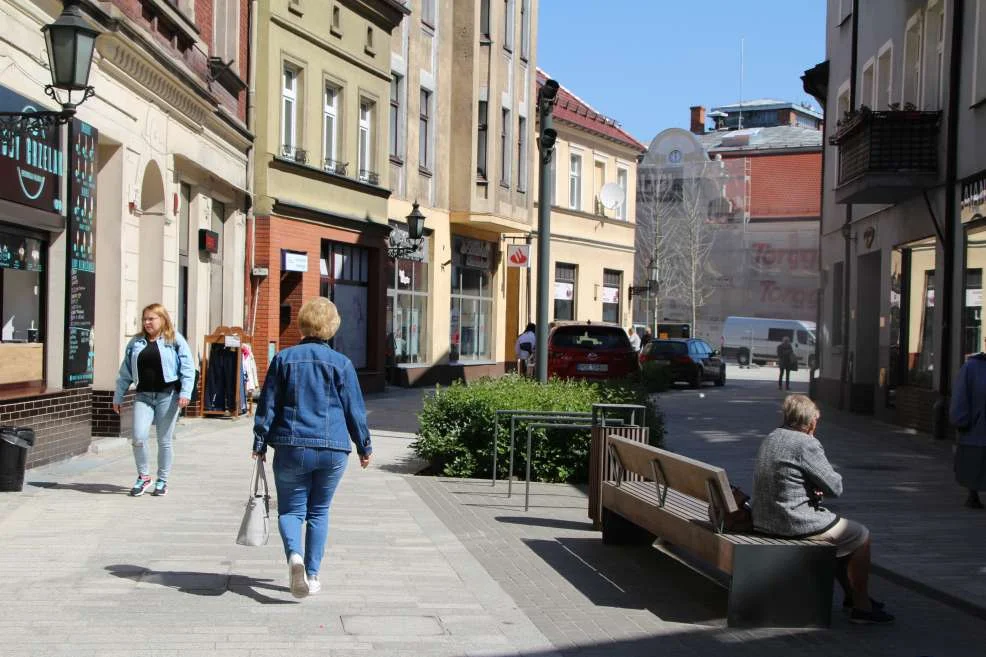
<point>31,165</point>
<point>611,295</point>
<point>519,255</point>
<point>294,261</point>
<point>80,304</point>
<point>973,203</point>
<point>208,241</point>
<point>475,253</point>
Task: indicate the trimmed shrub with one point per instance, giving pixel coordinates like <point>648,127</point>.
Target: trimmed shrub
<point>456,426</point>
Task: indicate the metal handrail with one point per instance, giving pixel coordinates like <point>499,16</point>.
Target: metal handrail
<point>517,411</point>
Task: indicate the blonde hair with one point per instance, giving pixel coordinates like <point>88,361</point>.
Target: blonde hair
<point>319,318</point>
<point>168,330</point>
<point>799,412</point>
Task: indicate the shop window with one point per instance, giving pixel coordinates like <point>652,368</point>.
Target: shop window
<point>22,263</point>
<point>565,279</point>
<point>920,303</point>
<point>972,311</point>
<point>612,284</point>
<point>894,367</point>
<point>472,300</point>
<point>407,311</point>
<point>345,279</point>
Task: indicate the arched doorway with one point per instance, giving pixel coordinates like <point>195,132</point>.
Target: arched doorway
<point>151,248</point>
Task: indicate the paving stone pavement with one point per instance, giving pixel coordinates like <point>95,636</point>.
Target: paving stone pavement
<point>87,570</point>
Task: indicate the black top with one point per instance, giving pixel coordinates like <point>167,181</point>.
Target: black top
<point>150,375</point>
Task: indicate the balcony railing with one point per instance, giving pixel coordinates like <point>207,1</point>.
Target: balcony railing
<point>335,166</point>
<point>885,157</point>
<point>299,155</point>
<point>369,177</point>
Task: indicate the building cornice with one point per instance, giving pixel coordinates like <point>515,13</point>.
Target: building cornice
<point>330,47</point>
<point>293,209</point>
<point>386,14</point>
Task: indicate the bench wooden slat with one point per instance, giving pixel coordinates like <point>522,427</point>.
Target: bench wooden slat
<point>683,474</point>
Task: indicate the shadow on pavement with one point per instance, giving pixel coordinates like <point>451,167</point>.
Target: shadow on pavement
<point>206,584</point>
<point>98,489</point>
<point>636,577</point>
<point>557,523</point>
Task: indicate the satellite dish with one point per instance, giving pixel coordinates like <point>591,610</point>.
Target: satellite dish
<point>612,196</point>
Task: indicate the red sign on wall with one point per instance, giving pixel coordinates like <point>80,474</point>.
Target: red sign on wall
<point>208,241</point>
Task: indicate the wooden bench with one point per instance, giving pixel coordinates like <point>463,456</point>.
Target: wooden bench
<point>772,582</point>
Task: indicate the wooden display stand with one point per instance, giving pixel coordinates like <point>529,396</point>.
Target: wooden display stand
<point>221,336</point>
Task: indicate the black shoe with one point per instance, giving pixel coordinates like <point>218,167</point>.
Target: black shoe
<point>847,603</point>
<point>973,502</point>
<point>872,617</point>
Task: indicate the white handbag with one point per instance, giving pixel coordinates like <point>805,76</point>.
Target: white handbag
<point>255,528</point>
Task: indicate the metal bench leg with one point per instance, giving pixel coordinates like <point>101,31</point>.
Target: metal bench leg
<point>781,586</point>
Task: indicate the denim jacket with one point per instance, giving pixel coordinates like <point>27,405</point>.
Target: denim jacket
<point>176,362</point>
<point>311,398</point>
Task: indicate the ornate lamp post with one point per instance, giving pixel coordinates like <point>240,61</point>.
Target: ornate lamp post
<point>70,41</point>
<point>415,232</point>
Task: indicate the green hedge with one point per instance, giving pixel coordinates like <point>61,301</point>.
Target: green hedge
<point>456,425</point>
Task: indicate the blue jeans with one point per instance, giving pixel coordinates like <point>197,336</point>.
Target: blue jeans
<point>161,410</point>
<point>306,479</point>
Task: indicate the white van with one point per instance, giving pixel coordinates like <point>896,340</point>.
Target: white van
<point>754,338</point>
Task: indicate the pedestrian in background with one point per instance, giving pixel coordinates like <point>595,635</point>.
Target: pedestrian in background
<point>524,348</point>
<point>646,338</point>
<point>968,415</point>
<point>787,361</point>
<point>634,339</point>
<point>160,363</point>
<point>310,409</point>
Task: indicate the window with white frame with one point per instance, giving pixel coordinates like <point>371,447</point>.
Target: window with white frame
<point>575,182</point>
<point>330,128</point>
<point>979,66</point>
<point>226,30</point>
<point>396,92</point>
<point>911,80</point>
<point>623,180</point>
<point>424,131</point>
<point>525,29</point>
<point>366,173</point>
<point>505,142</point>
<point>289,110</point>
<point>522,154</point>
<point>866,88</point>
<point>934,56</point>
<point>428,12</point>
<point>508,25</point>
<point>884,80</point>
<point>482,137</point>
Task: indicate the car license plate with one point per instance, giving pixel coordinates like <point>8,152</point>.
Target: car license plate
<point>661,361</point>
<point>592,367</point>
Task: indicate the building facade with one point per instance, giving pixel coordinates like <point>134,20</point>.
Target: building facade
<point>157,155</point>
<point>901,231</point>
<point>747,201</point>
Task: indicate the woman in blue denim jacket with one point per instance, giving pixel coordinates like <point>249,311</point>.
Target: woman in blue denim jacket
<point>310,408</point>
<point>160,363</point>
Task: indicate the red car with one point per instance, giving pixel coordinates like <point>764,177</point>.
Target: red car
<point>590,350</point>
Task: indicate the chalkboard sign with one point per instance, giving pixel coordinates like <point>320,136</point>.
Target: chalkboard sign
<point>81,279</point>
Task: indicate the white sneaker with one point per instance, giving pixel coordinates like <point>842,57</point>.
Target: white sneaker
<point>314,586</point>
<point>296,575</point>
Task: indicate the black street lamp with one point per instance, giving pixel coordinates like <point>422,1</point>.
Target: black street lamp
<point>415,232</point>
<point>653,281</point>
<point>70,41</point>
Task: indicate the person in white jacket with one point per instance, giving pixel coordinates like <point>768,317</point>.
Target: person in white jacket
<point>524,347</point>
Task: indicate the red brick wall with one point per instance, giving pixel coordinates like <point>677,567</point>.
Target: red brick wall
<point>786,185</point>
<point>61,423</point>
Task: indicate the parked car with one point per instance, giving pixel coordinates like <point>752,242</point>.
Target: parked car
<point>590,350</point>
<point>747,339</point>
<point>691,360</point>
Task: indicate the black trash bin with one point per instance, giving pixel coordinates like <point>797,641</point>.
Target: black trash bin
<point>14,443</point>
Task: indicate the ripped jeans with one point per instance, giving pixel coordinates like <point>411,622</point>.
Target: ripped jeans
<point>161,410</point>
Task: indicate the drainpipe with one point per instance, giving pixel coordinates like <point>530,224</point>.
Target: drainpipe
<point>251,162</point>
<point>940,415</point>
<point>845,384</point>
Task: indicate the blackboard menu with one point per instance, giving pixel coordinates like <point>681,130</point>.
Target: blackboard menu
<point>81,281</point>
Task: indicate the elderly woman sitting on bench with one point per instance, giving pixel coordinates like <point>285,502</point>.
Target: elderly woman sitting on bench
<point>792,476</point>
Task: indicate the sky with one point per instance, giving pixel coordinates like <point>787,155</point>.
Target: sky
<point>645,62</point>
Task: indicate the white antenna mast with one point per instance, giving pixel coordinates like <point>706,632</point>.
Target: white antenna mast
<point>742,48</point>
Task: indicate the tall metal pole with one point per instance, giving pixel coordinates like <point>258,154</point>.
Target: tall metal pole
<point>546,143</point>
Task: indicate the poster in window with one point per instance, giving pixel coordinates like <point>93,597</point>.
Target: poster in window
<point>564,291</point>
<point>611,295</point>
<point>351,301</point>
<point>81,274</point>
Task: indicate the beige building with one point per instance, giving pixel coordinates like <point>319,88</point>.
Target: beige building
<point>592,247</point>
<point>323,82</point>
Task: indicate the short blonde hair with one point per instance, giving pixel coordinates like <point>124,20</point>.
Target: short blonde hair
<point>799,412</point>
<point>319,318</point>
<point>167,328</point>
